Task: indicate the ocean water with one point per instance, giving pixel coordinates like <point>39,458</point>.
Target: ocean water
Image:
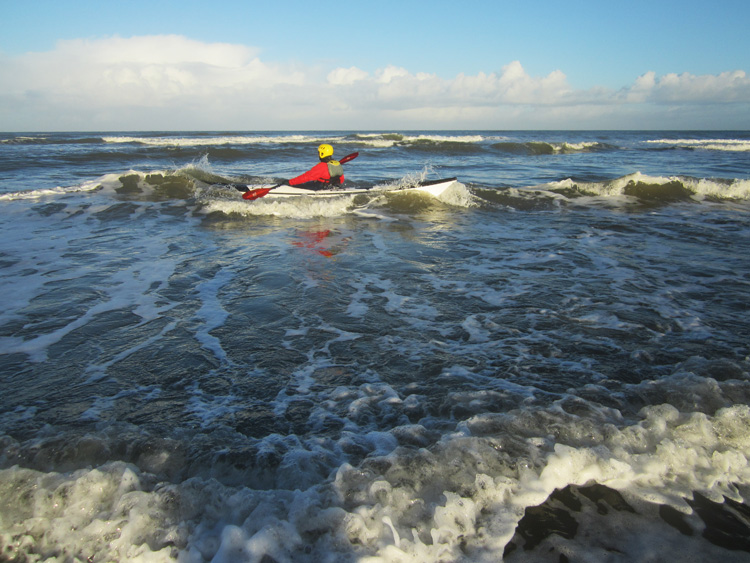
<point>550,362</point>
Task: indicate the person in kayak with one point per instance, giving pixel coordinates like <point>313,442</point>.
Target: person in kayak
<point>326,174</point>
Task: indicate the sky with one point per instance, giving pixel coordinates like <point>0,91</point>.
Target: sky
<point>246,65</point>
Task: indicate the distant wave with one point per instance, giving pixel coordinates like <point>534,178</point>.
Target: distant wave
<point>423,140</point>
<point>196,141</point>
<point>431,142</point>
<point>457,142</point>
<point>50,140</point>
<point>541,147</point>
<point>493,140</point>
<point>738,145</point>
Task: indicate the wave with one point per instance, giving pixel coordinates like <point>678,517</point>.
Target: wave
<point>639,189</point>
<point>385,140</point>
<point>477,142</point>
<point>201,141</point>
<point>660,475</point>
<point>535,148</point>
<point>213,196</point>
<point>54,139</point>
<point>199,183</point>
<point>158,185</point>
<point>38,194</point>
<point>424,141</point>
<point>664,189</point>
<point>731,145</point>
<point>376,140</point>
<point>431,142</point>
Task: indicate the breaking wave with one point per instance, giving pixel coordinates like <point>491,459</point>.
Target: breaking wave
<point>536,148</point>
<point>732,145</point>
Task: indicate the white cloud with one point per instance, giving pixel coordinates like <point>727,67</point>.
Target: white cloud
<point>727,87</point>
<point>156,50</point>
<point>390,74</point>
<point>395,85</point>
<point>346,76</point>
<point>172,82</point>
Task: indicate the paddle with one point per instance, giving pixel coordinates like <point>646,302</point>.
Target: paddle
<point>260,192</point>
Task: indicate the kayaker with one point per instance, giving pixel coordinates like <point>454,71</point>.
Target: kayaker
<point>324,175</point>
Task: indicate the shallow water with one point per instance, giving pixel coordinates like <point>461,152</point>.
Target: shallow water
<point>548,362</point>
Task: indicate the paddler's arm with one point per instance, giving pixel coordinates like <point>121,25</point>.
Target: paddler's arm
<point>318,173</point>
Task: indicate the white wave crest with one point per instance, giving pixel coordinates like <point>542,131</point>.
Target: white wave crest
<point>737,145</point>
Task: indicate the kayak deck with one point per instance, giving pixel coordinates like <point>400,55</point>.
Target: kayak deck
<point>433,187</point>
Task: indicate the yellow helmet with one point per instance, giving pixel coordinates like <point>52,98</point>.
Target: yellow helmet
<point>325,151</point>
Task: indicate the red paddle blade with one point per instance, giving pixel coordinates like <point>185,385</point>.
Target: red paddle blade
<point>349,157</point>
<point>255,194</point>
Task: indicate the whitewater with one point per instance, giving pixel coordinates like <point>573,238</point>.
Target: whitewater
<point>549,362</point>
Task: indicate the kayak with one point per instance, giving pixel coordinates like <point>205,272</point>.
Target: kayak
<point>432,187</point>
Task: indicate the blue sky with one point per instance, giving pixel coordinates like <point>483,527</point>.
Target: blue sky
<point>374,65</point>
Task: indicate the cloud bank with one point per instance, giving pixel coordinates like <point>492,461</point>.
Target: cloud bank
<point>175,83</point>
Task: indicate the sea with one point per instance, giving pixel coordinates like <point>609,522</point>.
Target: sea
<point>550,362</point>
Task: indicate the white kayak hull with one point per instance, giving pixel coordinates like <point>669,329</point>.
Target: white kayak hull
<point>432,187</point>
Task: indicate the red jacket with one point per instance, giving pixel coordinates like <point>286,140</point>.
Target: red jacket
<point>325,172</point>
